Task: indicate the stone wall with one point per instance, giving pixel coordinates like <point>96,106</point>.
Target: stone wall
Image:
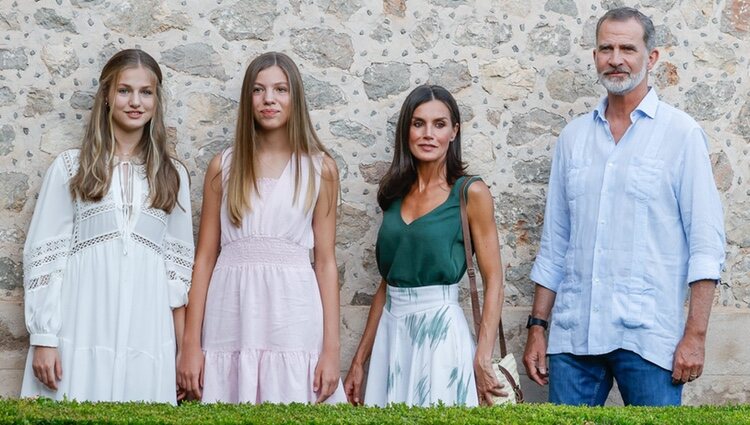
<point>520,69</point>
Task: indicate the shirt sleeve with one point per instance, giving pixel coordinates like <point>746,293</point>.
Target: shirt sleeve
<point>178,244</point>
<point>701,211</point>
<point>549,266</point>
<point>45,255</point>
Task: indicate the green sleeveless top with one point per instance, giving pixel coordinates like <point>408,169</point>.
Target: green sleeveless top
<point>429,250</point>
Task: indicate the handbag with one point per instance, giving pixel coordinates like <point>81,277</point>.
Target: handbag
<point>505,367</point>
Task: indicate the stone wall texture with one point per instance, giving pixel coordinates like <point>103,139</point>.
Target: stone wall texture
<point>520,69</point>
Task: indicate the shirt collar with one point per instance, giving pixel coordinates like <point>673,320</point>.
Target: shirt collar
<point>647,106</point>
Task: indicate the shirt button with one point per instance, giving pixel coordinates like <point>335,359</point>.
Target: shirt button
<point>609,164</point>
<point>596,280</point>
<point>601,221</point>
<point>596,309</point>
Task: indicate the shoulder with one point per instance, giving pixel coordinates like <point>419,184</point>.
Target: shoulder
<point>677,118</point>
<point>67,162</point>
<point>477,188</point>
<point>683,130</point>
<point>577,125</point>
<point>215,165</point>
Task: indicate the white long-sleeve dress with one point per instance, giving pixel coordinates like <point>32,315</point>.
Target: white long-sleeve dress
<point>101,280</point>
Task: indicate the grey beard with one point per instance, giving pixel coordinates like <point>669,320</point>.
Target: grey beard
<point>625,86</point>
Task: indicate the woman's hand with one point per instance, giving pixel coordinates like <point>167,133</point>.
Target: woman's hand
<point>190,368</point>
<point>353,384</point>
<point>47,366</point>
<point>487,383</point>
<point>327,375</point>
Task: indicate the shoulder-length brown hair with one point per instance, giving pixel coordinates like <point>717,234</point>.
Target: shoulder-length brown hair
<point>301,133</point>
<point>403,170</point>
<point>97,156</point>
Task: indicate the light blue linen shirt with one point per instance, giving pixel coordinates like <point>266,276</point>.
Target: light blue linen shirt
<point>627,227</point>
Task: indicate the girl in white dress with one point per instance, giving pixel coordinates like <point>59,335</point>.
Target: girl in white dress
<point>108,257</point>
<point>269,319</point>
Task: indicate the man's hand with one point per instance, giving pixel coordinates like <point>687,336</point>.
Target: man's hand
<point>534,356</point>
<point>688,359</point>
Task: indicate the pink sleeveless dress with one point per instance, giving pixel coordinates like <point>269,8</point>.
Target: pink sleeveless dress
<point>263,324</point>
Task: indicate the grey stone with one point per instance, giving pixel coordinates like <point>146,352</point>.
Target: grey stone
<point>448,3</point>
<point>426,34</point>
<point>320,94</point>
<point>709,102</point>
<point>666,74</point>
<point>38,102</point>
<point>381,33</point>
<point>13,58</point>
<point>533,171</point>
<point>664,5</point>
<point>505,78</point>
<point>738,229</point>
<point>353,131</point>
<point>664,36</point>
<point>588,33</point>
<point>210,110</point>
<point>324,47</point>
<point>60,60</point>
<point>49,19</point>
<point>105,53</point>
<point>487,32</point>
<point>352,225</point>
<point>361,298</point>
<point>7,97</point>
<point>7,136</point>
<point>343,9</point>
<point>452,75</point>
<point>613,4</point>
<point>696,13</point>
<point>386,79</point>
<point>9,22</point>
<point>208,151</point>
<point>518,286</point>
<point>533,124</point>
<point>547,40</point>
<point>521,219</point>
<point>373,172</point>
<point>466,112</point>
<point>195,59</point>
<point>568,86</point>
<point>246,20</point>
<point>716,55</point>
<point>143,18</point>
<point>13,188</point>
<point>742,122</point>
<point>735,18</point>
<point>13,236</point>
<point>722,169</point>
<point>563,7</point>
<point>340,163</point>
<point>11,274</point>
<point>82,100</point>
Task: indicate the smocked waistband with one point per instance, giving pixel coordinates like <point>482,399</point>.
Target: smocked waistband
<point>263,250</point>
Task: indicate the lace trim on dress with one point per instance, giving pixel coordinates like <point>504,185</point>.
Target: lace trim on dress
<point>94,241</point>
<point>98,209</point>
<point>146,242</point>
<point>155,213</point>
<point>178,258</point>
<point>41,256</point>
<point>71,162</point>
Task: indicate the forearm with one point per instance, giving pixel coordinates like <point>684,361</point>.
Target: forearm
<point>544,299</point>
<point>491,313</point>
<point>178,316</point>
<point>197,301</point>
<point>701,300</point>
<point>373,318</point>
<point>327,277</point>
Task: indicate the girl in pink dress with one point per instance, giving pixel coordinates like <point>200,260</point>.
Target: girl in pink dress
<point>269,319</point>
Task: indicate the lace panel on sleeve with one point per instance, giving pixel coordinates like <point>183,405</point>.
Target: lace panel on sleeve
<point>45,261</point>
<point>178,257</point>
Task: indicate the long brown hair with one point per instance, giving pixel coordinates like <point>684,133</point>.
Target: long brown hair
<point>403,170</point>
<point>301,133</point>
<point>97,156</point>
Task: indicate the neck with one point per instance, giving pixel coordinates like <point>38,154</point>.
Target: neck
<point>127,142</point>
<point>620,106</point>
<point>431,174</point>
<point>274,141</point>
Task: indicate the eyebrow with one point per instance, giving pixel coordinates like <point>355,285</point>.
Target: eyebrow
<point>129,86</point>
<point>434,119</point>
<point>280,83</point>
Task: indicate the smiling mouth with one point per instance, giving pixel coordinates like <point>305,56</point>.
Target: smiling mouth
<point>134,114</point>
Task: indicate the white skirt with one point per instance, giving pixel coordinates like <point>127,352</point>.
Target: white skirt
<point>423,351</point>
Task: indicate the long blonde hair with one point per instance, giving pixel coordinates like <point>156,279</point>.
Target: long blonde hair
<point>97,156</point>
<point>302,138</point>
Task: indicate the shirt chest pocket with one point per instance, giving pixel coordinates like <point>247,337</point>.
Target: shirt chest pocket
<point>644,176</point>
<point>575,181</point>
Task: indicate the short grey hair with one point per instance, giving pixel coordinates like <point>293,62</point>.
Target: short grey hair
<point>621,14</point>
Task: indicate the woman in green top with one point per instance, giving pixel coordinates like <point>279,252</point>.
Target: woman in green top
<point>417,338</point>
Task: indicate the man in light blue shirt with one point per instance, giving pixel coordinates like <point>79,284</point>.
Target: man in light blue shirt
<point>633,224</point>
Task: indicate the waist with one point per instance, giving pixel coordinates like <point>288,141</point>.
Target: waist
<point>411,300</point>
<point>263,250</point>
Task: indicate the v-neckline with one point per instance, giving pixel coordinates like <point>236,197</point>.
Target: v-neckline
<point>437,207</point>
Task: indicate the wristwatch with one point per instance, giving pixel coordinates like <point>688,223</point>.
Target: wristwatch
<point>534,321</point>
